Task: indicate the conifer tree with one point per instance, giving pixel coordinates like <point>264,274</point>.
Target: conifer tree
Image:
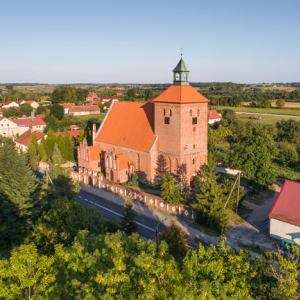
<point>50,142</point>
<point>176,240</point>
<point>128,224</point>
<point>41,150</point>
<point>56,152</point>
<point>80,137</point>
<point>209,199</point>
<point>171,194</point>
<point>69,146</point>
<point>61,143</point>
<point>32,152</point>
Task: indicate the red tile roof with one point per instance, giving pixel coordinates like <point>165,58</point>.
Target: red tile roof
<point>213,114</point>
<point>94,152</point>
<point>181,94</point>
<point>25,138</point>
<point>287,205</point>
<point>29,122</point>
<point>20,101</point>
<point>7,103</point>
<point>66,105</point>
<point>130,125</point>
<point>92,95</point>
<point>119,94</point>
<point>124,161</point>
<point>29,101</point>
<point>73,133</point>
<point>95,102</point>
<point>85,108</point>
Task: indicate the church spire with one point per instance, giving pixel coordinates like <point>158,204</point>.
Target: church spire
<point>181,73</point>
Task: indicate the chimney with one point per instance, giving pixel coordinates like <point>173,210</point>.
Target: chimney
<point>94,132</point>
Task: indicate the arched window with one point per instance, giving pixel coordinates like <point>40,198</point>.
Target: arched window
<point>198,112</point>
<point>164,111</point>
<point>193,161</point>
<point>137,162</point>
<point>190,112</point>
<point>170,112</point>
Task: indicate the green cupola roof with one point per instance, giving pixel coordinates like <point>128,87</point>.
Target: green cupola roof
<point>181,74</point>
<point>181,67</point>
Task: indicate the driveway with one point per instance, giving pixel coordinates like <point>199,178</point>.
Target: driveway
<point>255,231</point>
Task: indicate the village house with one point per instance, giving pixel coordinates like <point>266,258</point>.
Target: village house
<point>106,100</point>
<point>33,104</point>
<point>9,104</point>
<point>285,213</point>
<point>84,110</point>
<point>91,96</point>
<point>136,137</point>
<point>21,101</point>
<point>23,140</point>
<point>34,123</point>
<point>66,107</point>
<point>8,128</point>
<point>213,116</point>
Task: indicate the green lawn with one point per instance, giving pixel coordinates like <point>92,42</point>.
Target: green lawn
<point>283,111</point>
<point>204,229</point>
<point>264,119</point>
<point>87,117</point>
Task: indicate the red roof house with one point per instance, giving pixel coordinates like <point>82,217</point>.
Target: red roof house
<point>285,213</point>
<point>23,140</point>
<point>213,116</point>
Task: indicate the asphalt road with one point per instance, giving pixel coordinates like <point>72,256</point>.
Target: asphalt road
<point>113,211</point>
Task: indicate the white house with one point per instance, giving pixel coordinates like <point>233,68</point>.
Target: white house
<point>23,140</point>
<point>8,128</point>
<point>213,116</point>
<point>285,213</point>
<point>66,106</point>
<point>33,104</point>
<point>10,104</point>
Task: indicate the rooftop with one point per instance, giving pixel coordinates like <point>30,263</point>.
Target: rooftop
<point>25,138</point>
<point>287,205</point>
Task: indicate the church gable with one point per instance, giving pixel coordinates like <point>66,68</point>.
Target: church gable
<point>129,125</point>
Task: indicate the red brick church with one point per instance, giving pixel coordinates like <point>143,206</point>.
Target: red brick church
<point>168,134</point>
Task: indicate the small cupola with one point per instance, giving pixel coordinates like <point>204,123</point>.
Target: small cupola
<point>181,74</point>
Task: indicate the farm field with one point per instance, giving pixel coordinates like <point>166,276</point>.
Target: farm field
<point>264,119</point>
<point>275,111</point>
<point>87,117</point>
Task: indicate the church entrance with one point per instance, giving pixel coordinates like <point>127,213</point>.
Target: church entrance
<point>111,175</point>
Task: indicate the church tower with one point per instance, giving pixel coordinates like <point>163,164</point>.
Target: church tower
<point>180,122</point>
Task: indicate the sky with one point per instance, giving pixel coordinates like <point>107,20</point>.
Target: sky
<point>138,41</point>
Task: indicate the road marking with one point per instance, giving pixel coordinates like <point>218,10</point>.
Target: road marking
<point>117,214</point>
<point>80,197</point>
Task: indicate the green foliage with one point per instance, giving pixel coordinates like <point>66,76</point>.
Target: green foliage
<point>25,109</point>
<point>57,111</point>
<point>227,185</point>
<point>289,156</point>
<point>252,152</point>
<point>128,224</point>
<point>32,152</point>
<point>171,194</point>
<point>69,144</point>
<point>220,133</point>
<point>41,110</point>
<point>49,143</point>
<point>148,94</point>
<point>288,130</point>
<point>280,103</point>
<point>56,152</point>
<point>12,112</point>
<point>27,275</point>
<point>135,179</point>
<point>176,241</point>
<point>209,199</point>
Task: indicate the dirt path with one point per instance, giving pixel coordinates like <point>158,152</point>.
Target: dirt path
<point>263,114</point>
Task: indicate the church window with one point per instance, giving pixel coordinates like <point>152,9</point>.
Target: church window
<point>167,120</point>
<point>194,146</point>
<point>99,164</point>
<point>190,112</point>
<point>107,163</point>
<point>194,129</point>
<point>115,165</point>
<point>164,111</point>
<point>193,161</point>
<point>137,162</point>
<point>111,161</point>
<point>198,112</point>
<point>194,121</point>
<point>170,112</point>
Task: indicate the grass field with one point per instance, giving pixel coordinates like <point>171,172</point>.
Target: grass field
<point>276,111</point>
<point>265,119</point>
<point>87,117</point>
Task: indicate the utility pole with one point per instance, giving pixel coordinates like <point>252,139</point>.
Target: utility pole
<point>238,194</point>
